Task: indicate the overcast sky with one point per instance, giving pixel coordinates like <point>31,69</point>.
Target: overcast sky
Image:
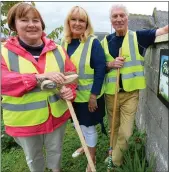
<point>54,13</point>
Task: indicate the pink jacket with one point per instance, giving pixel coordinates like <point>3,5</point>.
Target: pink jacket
<point>16,84</point>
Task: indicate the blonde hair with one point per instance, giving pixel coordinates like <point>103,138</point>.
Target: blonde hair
<point>83,15</point>
<point>119,6</point>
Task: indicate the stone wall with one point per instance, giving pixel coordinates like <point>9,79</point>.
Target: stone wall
<point>152,114</point>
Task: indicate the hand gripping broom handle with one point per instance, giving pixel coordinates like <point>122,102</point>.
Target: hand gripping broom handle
<point>79,131</point>
<point>114,114</point>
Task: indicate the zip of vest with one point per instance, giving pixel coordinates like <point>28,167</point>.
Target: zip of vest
<point>132,71</point>
<point>32,108</point>
<point>81,59</point>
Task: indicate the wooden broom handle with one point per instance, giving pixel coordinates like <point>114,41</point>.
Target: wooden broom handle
<point>115,103</point>
<point>79,131</point>
<point>71,79</point>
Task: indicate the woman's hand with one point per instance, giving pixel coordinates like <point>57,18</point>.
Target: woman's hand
<point>117,63</point>
<point>66,93</point>
<point>92,104</point>
<point>57,77</point>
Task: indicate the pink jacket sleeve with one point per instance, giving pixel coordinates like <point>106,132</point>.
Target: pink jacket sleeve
<point>15,84</point>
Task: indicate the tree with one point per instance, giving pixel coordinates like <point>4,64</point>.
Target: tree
<point>5,6</point>
<point>55,33</point>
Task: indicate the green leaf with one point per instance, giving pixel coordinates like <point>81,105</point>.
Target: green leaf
<point>55,33</point>
<point>6,31</point>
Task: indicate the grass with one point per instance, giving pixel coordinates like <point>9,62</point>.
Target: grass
<point>13,160</point>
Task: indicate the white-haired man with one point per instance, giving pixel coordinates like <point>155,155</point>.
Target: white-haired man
<point>133,45</point>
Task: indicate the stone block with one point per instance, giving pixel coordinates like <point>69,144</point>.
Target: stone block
<point>164,121</point>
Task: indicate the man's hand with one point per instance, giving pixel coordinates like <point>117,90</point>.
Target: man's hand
<point>162,30</point>
<point>117,63</point>
<point>92,104</point>
<point>66,93</point>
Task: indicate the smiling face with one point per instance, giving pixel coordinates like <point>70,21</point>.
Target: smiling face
<point>119,20</point>
<point>77,24</point>
<point>29,28</point>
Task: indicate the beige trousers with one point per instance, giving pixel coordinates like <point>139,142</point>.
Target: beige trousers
<point>126,108</point>
<point>33,149</point>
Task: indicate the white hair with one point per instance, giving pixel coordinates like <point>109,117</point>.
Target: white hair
<point>121,6</point>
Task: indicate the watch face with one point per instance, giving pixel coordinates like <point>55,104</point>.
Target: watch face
<point>51,85</point>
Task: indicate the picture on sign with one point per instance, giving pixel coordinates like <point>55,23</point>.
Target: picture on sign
<point>163,79</point>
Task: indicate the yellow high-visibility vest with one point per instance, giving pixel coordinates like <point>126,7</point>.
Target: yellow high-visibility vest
<point>132,71</point>
<point>81,59</point>
<point>32,108</point>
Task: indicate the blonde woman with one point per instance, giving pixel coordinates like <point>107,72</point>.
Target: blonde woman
<point>86,53</point>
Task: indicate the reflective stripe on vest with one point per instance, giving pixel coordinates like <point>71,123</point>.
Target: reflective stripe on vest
<point>134,61</point>
<point>13,61</point>
<point>82,74</point>
<point>84,87</point>
<point>132,75</point>
<point>30,106</point>
<point>131,69</point>
<point>125,76</point>
<point>59,59</point>
<point>24,107</point>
